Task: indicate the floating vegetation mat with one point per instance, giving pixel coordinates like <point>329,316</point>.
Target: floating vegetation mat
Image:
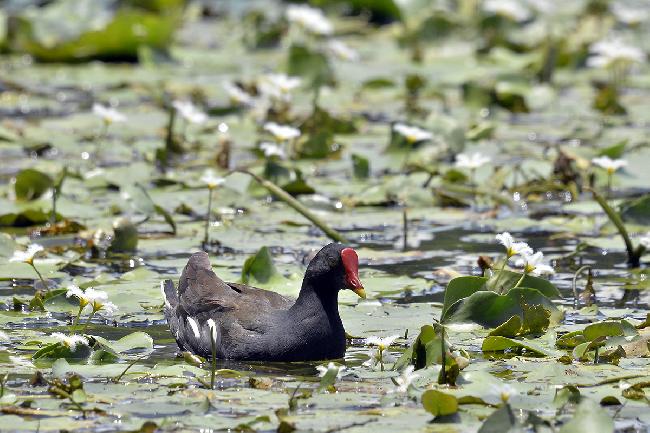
<point>135,133</point>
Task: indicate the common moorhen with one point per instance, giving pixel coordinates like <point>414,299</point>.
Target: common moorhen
<point>256,324</point>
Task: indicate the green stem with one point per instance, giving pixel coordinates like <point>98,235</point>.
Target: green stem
<point>443,354</point>
<point>632,255</point>
<point>214,360</point>
<point>381,358</point>
<point>520,280</point>
<point>299,207</point>
<point>496,283</point>
<point>3,380</point>
<point>576,301</point>
<point>75,322</point>
<point>405,228</point>
<point>40,277</point>
<point>207,217</point>
<point>53,214</point>
<point>131,364</point>
<point>609,184</point>
<point>90,317</point>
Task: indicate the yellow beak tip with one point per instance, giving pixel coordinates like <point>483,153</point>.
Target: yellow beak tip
<point>360,292</point>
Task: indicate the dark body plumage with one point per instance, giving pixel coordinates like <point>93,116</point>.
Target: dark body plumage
<point>257,324</point>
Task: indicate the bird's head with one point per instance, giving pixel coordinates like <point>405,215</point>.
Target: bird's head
<point>335,267</point>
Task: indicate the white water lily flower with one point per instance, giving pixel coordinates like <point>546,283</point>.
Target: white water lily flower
<point>323,370</point>
<point>26,256</point>
<point>378,356</point>
<point>79,294</point>
<point>628,15</point>
<point>503,391</point>
<point>381,343</point>
<point>108,308</point>
<point>310,19</point>
<point>611,165</point>
<point>405,379</point>
<point>271,149</point>
<point>108,114</point>
<point>412,134</point>
<point>71,341</point>
<point>471,161</point>
<point>282,132</point>
<point>190,112</point>
<point>89,296</point>
<point>96,299</point>
<point>342,51</point>
<point>513,248</point>
<point>607,52</point>
<point>278,86</point>
<point>237,95</point>
<point>513,9</point>
<point>532,264</point>
<point>211,179</point>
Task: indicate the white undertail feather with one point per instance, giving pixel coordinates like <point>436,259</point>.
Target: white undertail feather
<point>162,290</point>
<point>194,326</point>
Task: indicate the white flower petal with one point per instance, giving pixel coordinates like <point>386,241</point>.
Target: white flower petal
<point>310,19</point>
<point>108,114</point>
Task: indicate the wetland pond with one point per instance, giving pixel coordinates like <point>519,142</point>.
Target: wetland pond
<point>135,133</point>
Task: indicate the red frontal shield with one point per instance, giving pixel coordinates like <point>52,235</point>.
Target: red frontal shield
<point>351,265</point>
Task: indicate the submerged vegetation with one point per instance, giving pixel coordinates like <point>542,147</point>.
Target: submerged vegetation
<point>486,159</point>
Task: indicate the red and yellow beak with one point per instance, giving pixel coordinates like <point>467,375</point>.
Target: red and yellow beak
<point>351,266</point>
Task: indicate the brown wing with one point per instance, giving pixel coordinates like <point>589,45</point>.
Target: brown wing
<point>201,291</point>
<point>199,288</point>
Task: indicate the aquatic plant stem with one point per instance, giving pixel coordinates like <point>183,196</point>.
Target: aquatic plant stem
<point>90,317</point>
<point>47,289</point>
<point>213,369</point>
<point>54,197</point>
<point>520,280</point>
<point>3,381</point>
<point>405,227</point>
<point>609,184</point>
<point>496,282</point>
<point>207,216</point>
<point>442,379</point>
<point>75,322</point>
<point>131,364</point>
<point>633,256</point>
<point>296,205</point>
<point>576,300</point>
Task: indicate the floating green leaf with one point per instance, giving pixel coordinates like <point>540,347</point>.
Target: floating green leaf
<point>31,184</point>
<point>438,403</point>
<point>501,344</point>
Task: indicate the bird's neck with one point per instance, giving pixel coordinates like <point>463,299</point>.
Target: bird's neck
<point>311,301</point>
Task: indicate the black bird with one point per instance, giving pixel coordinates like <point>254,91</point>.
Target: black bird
<point>259,325</point>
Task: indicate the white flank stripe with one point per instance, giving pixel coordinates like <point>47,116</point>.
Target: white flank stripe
<point>194,326</point>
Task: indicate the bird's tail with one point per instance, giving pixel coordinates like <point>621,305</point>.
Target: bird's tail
<point>169,294</point>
